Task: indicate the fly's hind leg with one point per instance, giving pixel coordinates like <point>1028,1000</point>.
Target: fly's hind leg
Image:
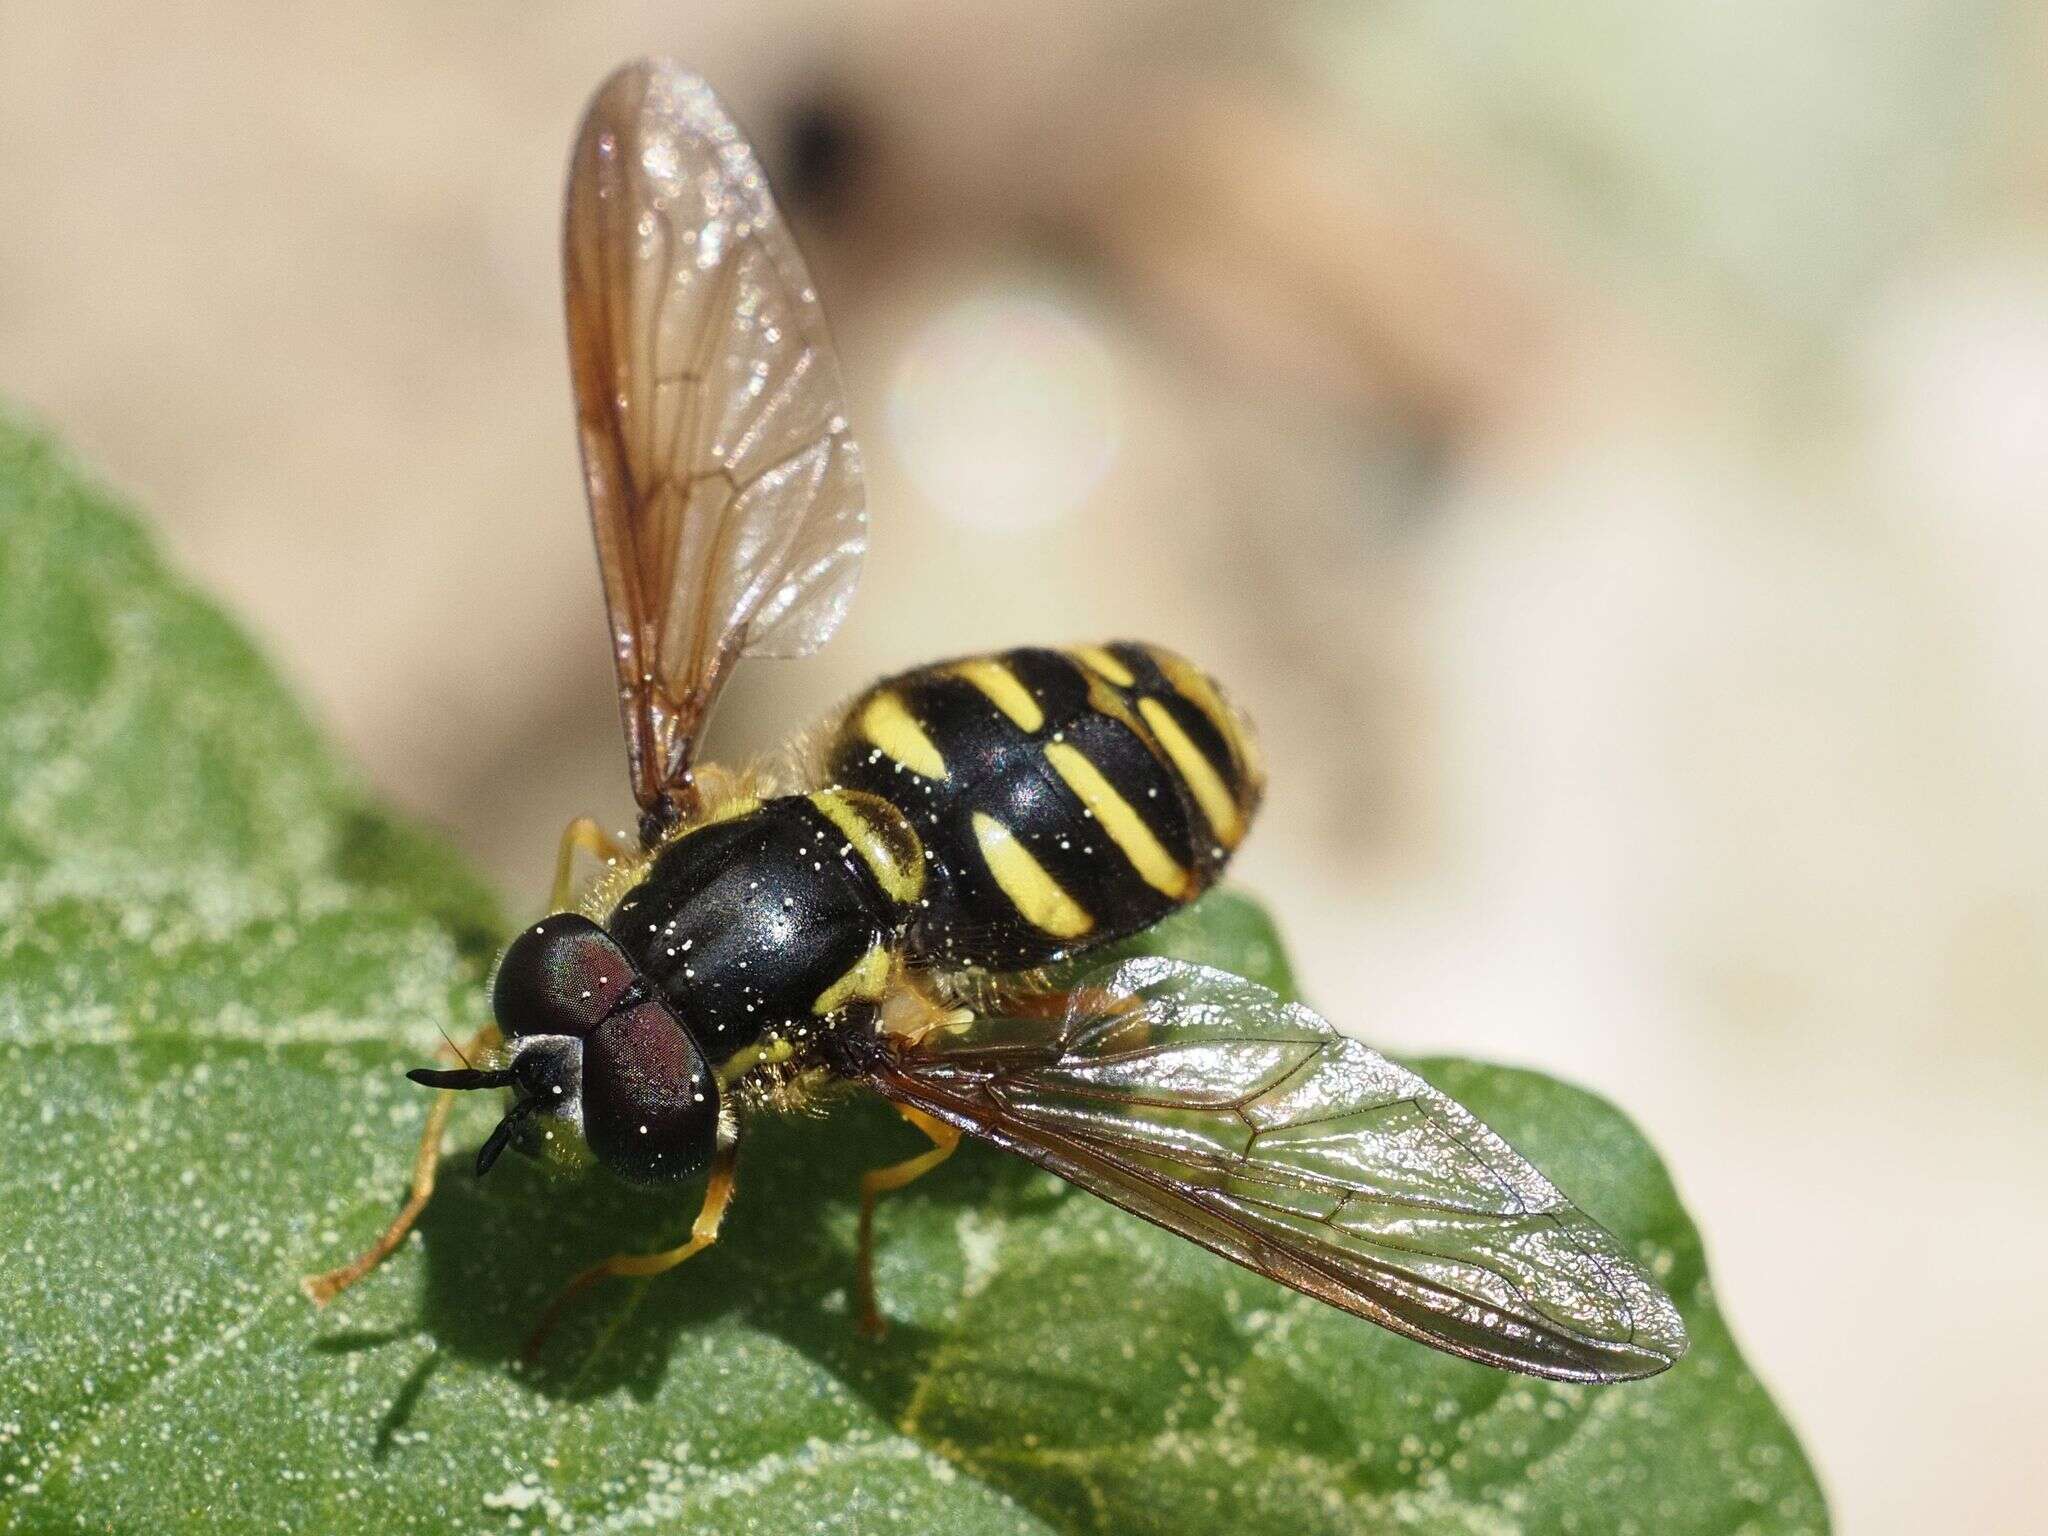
<point>426,1163</point>
<point>586,834</point>
<point>703,1233</point>
<point>877,1182</point>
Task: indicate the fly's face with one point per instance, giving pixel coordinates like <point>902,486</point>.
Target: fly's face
<point>545,1117</point>
<point>592,1057</point>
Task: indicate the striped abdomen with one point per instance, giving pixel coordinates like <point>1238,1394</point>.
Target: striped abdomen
<point>1064,799</point>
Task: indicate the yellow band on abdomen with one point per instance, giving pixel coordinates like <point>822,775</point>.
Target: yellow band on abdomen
<point>1116,817</point>
<point>1000,686</point>
<point>894,732</point>
<point>1199,774</point>
<point>1031,888</point>
<point>1098,660</point>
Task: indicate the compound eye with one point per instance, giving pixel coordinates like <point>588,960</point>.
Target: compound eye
<point>650,1103</point>
<point>559,977</point>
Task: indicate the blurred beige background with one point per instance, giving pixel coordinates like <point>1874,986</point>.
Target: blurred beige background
<point>1606,447</point>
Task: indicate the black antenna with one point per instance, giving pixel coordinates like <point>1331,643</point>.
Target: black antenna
<point>459,1077</point>
<point>501,1138</point>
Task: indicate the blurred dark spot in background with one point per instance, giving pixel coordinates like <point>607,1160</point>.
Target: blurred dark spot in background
<point>822,154</point>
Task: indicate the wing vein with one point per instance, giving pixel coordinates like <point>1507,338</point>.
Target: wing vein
<point>1215,1109</point>
<point>695,339</point>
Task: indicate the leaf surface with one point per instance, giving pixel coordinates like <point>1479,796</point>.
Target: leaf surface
<point>216,956</point>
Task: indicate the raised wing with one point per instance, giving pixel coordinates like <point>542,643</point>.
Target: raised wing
<point>724,490</point>
<point>1205,1103</point>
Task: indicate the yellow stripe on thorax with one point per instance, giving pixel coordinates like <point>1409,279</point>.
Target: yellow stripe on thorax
<point>878,834</point>
<point>769,1052</point>
<point>892,729</point>
<point>1200,775</point>
<point>865,981</point>
<point>1125,827</point>
<point>1031,889</point>
<point>1003,690</point>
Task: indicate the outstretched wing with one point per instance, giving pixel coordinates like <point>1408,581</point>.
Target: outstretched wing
<point>1205,1103</point>
<point>724,490</point>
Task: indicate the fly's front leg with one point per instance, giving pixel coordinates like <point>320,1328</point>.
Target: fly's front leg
<point>877,1182</point>
<point>703,1233</point>
<point>586,834</point>
<point>426,1163</point>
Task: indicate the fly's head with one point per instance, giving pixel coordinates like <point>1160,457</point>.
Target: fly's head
<point>593,1058</point>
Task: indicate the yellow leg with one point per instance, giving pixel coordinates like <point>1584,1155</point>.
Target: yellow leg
<point>703,1233</point>
<point>587,835</point>
<point>426,1163</point>
<point>877,1182</point>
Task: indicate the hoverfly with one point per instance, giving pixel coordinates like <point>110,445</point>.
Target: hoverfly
<point>908,901</point>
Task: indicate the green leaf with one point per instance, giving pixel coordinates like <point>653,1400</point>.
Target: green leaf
<point>215,957</point>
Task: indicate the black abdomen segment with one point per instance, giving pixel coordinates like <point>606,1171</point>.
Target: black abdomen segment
<point>1064,799</point>
<point>775,917</point>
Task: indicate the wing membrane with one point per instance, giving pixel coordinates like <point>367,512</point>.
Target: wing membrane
<point>1205,1103</point>
<point>725,493</point>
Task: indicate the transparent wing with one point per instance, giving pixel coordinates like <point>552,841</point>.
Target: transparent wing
<point>1205,1103</point>
<point>724,490</point>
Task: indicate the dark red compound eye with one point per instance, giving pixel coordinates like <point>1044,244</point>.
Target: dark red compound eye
<point>650,1102</point>
<point>560,977</point>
